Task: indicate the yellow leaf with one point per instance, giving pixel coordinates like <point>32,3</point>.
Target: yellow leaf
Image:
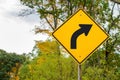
<point>48,47</point>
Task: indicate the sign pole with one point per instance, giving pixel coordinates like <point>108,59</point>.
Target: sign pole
<point>85,30</point>
<point>79,72</point>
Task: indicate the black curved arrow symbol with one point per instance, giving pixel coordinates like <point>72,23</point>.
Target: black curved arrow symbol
<point>85,28</point>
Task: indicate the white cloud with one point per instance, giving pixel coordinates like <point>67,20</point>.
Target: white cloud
<point>15,32</point>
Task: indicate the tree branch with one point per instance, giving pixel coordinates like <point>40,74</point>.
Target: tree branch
<point>46,17</point>
<point>113,44</point>
<point>115,1</point>
<point>112,24</point>
<point>49,23</point>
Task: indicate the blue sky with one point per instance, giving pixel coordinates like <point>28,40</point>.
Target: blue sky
<point>16,33</point>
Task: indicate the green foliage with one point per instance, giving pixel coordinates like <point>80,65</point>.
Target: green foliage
<point>57,11</point>
<point>102,65</point>
<point>7,62</point>
<point>60,67</point>
<point>96,73</point>
<point>49,67</point>
<point>96,67</point>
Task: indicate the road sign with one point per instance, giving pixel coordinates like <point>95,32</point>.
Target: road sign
<point>80,35</point>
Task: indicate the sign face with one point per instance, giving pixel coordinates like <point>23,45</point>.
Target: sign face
<point>80,35</point>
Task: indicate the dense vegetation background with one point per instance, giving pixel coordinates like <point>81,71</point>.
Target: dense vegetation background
<point>49,61</point>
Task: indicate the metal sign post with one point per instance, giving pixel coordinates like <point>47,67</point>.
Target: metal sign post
<point>79,72</point>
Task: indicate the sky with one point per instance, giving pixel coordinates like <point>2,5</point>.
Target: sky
<point>16,32</point>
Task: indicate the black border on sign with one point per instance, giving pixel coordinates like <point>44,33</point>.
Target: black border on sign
<point>94,49</point>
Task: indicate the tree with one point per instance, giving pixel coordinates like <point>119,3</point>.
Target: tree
<point>54,12</point>
<point>48,65</point>
<point>9,65</point>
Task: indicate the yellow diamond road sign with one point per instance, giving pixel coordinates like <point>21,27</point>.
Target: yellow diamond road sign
<point>80,35</point>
